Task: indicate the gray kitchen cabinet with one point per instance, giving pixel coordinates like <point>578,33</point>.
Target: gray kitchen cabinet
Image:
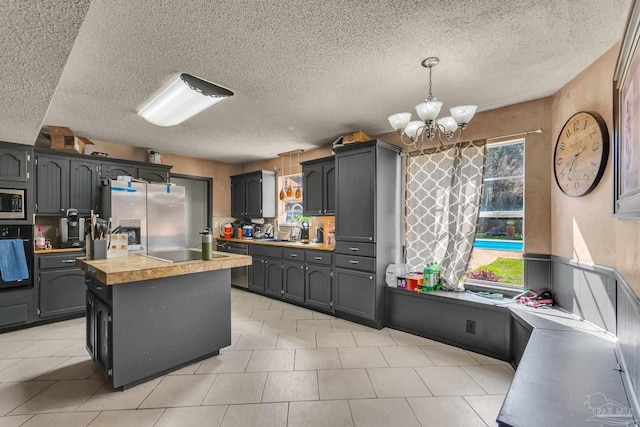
<point>367,217</point>
<point>103,336</point>
<point>520,334</point>
<point>356,293</point>
<point>84,186</point>
<point>318,181</point>
<point>90,325</point>
<point>14,162</point>
<point>318,287</point>
<point>273,273</point>
<point>61,285</point>
<point>111,170</point>
<point>154,174</point>
<point>52,184</point>
<point>258,277</point>
<point>253,195</point>
<point>17,306</point>
<point>293,281</point>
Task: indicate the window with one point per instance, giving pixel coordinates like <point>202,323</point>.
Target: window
<point>497,250</point>
<point>289,206</point>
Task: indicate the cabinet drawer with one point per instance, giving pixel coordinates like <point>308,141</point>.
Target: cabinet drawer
<point>362,249</point>
<point>356,262</point>
<point>103,292</point>
<point>263,250</point>
<point>293,254</point>
<point>59,261</point>
<point>319,257</point>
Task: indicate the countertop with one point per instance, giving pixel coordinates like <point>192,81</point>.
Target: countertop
<point>134,268</point>
<point>284,244</point>
<point>57,251</point>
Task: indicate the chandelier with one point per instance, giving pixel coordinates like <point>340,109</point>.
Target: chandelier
<point>448,129</point>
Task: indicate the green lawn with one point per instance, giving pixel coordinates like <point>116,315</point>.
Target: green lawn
<point>508,270</point>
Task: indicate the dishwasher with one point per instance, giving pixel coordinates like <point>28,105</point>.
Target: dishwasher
<point>239,275</point>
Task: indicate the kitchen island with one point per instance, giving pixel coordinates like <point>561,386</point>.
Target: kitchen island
<point>147,317</point>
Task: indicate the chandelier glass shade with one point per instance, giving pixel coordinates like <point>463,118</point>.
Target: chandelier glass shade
<point>447,129</point>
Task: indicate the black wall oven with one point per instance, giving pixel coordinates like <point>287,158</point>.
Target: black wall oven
<point>24,233</point>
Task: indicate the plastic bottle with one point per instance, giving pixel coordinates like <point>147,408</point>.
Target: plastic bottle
<point>435,276</point>
<point>426,284</point>
<point>41,241</point>
<point>207,244</point>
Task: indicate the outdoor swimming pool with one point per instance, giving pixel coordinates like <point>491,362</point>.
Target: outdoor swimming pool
<point>498,245</point>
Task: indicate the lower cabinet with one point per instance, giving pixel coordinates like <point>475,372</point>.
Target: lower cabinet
<point>273,275</point>
<point>257,278</point>
<point>355,293</point>
<point>99,333</point>
<point>293,281</point>
<point>318,287</point>
<point>61,287</point>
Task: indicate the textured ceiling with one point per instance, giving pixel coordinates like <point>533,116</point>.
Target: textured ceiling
<point>305,72</point>
<point>36,38</point>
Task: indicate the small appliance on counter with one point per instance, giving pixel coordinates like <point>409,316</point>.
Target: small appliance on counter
<point>304,231</point>
<point>319,235</point>
<point>286,232</point>
<point>247,231</point>
<point>72,230</point>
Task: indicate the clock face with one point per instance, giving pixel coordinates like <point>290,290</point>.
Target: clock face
<point>581,153</point>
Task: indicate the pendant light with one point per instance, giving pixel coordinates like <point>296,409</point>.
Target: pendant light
<point>289,188</point>
<point>298,189</point>
<point>281,196</point>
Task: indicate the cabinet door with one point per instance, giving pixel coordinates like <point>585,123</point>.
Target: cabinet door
<point>313,195</point>
<point>257,278</point>
<point>91,325</point>
<point>356,196</point>
<point>273,272</point>
<point>293,281</point>
<point>355,293</point>
<point>318,287</point>
<point>62,292</point>
<point>103,345</point>
<point>329,193</point>
<point>113,170</point>
<point>238,197</point>
<point>253,184</point>
<point>13,164</point>
<point>83,186</point>
<point>52,185</point>
<point>153,175</point>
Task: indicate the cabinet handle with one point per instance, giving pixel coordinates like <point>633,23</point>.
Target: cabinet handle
<point>353,261</point>
<point>302,267</point>
<point>317,257</point>
<point>61,210</point>
<point>307,267</point>
<point>370,277</point>
<point>320,211</point>
<point>354,249</point>
<point>99,288</point>
<point>294,255</point>
<point>370,238</point>
<point>68,261</point>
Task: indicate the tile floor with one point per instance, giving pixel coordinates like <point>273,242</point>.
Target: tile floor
<point>287,366</point>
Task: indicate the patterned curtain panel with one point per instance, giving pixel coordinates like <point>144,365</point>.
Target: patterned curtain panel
<point>442,203</point>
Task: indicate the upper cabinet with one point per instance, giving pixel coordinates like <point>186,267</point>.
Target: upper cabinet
<point>52,184</point>
<point>150,172</point>
<point>319,184</point>
<point>254,195</point>
<point>110,170</point>
<point>14,163</point>
<point>84,186</point>
<point>154,174</point>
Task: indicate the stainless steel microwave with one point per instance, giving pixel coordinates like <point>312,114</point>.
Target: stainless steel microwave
<point>12,204</point>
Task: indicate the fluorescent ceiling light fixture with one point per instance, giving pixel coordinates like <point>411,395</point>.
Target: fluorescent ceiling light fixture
<point>183,99</point>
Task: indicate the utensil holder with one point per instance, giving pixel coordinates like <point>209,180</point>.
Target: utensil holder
<point>97,249</point>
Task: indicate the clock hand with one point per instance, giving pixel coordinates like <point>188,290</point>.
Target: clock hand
<point>573,160</point>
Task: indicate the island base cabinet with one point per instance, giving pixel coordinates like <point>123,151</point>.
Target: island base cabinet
<point>156,326</point>
<point>356,293</point>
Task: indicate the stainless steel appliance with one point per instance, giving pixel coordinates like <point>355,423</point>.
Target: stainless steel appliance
<point>126,204</point>
<point>304,231</point>
<point>25,233</point>
<point>152,215</point>
<point>12,204</point>
<point>239,275</point>
<point>71,230</point>
<point>166,217</point>
<point>178,255</point>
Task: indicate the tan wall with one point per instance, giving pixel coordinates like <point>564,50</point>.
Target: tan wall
<point>220,172</point>
<point>583,228</point>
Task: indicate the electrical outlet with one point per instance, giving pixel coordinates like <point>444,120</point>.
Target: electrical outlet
<point>471,327</point>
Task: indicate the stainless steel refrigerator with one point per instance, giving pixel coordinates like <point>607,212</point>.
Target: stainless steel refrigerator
<point>153,215</point>
<point>166,217</point>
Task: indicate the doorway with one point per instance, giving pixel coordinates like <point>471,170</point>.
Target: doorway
<point>199,205</point>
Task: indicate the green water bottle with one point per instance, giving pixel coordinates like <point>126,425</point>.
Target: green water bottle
<point>426,284</point>
<point>435,274</point>
<point>207,244</point>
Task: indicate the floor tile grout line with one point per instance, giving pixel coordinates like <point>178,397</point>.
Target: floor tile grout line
<point>158,420</point>
<point>464,398</point>
<point>412,411</point>
<point>422,379</point>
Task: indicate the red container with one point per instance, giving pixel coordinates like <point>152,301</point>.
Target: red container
<point>228,231</point>
<point>414,280</point>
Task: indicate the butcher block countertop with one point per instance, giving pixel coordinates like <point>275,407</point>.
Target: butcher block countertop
<point>284,244</point>
<point>134,268</point>
<point>57,251</point>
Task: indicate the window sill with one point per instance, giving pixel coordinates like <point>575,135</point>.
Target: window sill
<point>480,285</point>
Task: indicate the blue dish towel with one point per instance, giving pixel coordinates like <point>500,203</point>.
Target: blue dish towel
<point>13,261</point>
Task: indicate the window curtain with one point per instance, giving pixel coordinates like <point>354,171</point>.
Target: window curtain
<point>442,203</point>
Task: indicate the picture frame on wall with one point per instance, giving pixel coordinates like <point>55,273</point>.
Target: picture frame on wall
<point>626,118</point>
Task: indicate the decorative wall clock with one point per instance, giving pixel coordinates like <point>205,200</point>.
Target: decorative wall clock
<point>581,153</point>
